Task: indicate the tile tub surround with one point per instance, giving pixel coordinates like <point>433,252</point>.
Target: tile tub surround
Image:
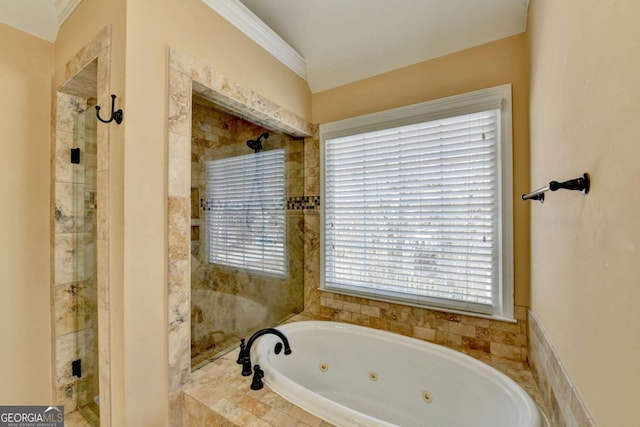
<point>492,338</point>
<point>219,395</point>
<point>566,407</point>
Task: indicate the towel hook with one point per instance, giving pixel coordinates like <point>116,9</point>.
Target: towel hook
<point>115,115</point>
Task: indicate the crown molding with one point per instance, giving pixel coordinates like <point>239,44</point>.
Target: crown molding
<point>248,23</point>
<point>64,9</point>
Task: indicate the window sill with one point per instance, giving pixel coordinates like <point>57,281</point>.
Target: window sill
<point>423,306</point>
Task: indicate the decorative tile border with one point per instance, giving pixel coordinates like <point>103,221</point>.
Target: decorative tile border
<point>566,407</point>
<point>98,50</point>
<point>293,203</point>
<point>303,203</point>
<point>187,76</point>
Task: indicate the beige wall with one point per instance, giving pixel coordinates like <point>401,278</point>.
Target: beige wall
<point>26,65</point>
<point>585,269</point>
<point>191,27</point>
<point>491,64</point>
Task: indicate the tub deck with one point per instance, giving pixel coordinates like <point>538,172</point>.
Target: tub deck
<point>218,395</point>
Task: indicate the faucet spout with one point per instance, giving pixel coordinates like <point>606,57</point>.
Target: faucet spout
<point>244,357</point>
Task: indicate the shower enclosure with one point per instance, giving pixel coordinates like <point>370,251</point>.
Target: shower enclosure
<point>80,233</point>
<point>85,204</point>
<point>246,233</point>
<point>75,249</point>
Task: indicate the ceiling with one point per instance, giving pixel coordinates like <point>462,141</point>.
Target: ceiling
<point>337,41</point>
<point>41,18</point>
<point>348,40</point>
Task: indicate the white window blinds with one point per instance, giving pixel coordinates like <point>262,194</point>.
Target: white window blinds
<point>412,212</point>
<point>245,211</point>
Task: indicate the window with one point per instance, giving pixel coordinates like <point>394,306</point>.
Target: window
<point>244,210</point>
<point>417,204</point>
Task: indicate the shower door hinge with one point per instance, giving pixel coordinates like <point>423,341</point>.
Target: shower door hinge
<point>75,155</point>
<point>76,368</point>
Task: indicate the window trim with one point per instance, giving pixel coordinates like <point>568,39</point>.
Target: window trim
<point>467,103</point>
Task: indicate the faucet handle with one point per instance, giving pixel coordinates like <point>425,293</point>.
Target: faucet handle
<point>241,355</point>
<point>258,373</point>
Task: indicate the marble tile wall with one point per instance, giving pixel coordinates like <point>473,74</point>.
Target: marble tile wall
<point>188,76</point>
<point>566,408</point>
<point>229,303</point>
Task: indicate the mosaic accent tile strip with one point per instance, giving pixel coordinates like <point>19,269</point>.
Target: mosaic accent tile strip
<point>566,407</point>
<point>208,204</point>
<point>303,203</point>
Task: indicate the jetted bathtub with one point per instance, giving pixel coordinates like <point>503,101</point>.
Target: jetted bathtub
<point>356,376</point>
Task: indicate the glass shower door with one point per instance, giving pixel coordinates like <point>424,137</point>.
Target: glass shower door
<point>86,265</point>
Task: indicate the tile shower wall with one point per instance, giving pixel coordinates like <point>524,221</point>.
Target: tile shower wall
<point>187,76</point>
<point>75,281</point>
<point>484,338</point>
<point>228,303</point>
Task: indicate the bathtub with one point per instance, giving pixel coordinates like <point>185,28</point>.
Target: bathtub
<point>356,376</point>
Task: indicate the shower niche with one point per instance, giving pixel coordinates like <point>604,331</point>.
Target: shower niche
<point>247,228</point>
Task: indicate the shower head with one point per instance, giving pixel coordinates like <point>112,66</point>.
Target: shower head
<point>256,144</point>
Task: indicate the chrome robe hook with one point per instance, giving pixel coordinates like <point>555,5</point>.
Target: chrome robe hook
<point>115,115</point>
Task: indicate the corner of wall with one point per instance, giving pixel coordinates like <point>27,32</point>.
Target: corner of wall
<point>558,391</point>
